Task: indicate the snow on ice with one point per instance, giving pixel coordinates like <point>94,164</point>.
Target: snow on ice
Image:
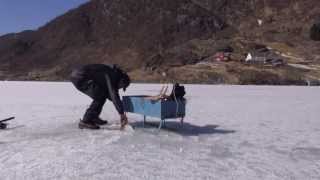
<point>231,132</point>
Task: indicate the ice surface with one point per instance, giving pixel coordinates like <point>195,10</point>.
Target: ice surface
<point>231,132</point>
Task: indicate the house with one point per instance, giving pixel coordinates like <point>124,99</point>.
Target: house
<point>222,56</point>
<point>256,58</point>
<point>264,58</point>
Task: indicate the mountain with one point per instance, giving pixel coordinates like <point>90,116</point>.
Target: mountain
<point>165,40</point>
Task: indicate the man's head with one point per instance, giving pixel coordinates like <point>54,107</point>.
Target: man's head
<point>123,78</point>
<point>124,81</point>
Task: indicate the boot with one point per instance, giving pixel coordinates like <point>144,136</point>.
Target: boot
<point>99,121</point>
<point>88,125</point>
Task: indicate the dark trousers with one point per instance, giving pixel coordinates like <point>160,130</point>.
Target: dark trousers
<point>96,88</point>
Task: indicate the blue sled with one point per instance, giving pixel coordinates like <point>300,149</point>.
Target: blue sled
<point>163,109</point>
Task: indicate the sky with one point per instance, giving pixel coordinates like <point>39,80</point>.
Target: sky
<point>19,15</point>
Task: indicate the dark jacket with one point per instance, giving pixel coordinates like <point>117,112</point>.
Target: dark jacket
<point>106,77</point>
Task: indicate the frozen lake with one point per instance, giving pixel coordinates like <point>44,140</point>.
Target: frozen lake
<point>231,132</point>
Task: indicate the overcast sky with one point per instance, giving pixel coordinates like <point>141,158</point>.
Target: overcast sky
<point>19,15</point>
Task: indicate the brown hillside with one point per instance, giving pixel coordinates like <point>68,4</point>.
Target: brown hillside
<point>152,38</point>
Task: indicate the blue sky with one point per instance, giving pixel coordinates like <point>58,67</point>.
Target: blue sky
<point>19,15</point>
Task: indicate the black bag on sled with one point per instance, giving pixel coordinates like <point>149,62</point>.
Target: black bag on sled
<point>178,92</point>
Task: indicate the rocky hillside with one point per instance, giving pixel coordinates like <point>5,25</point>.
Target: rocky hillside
<point>165,40</point>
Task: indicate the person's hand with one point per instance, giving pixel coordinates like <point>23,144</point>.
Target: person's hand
<point>123,120</point>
